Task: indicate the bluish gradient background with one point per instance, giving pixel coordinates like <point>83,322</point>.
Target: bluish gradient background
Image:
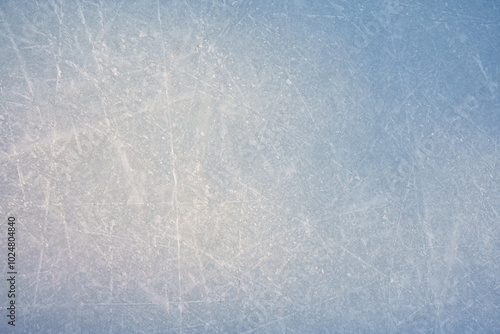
<point>251,166</point>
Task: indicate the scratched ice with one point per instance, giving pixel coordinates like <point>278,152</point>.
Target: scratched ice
<point>251,166</point>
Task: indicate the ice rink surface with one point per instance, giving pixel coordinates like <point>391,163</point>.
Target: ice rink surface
<point>269,166</point>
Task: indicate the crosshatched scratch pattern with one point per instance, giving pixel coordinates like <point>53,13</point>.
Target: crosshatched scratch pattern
<point>223,166</point>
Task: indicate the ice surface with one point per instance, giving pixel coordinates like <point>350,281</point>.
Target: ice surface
<point>252,166</point>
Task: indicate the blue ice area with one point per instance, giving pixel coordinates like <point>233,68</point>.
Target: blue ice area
<point>224,166</point>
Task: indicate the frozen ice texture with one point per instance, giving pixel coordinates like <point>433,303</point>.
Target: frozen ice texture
<point>252,166</point>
